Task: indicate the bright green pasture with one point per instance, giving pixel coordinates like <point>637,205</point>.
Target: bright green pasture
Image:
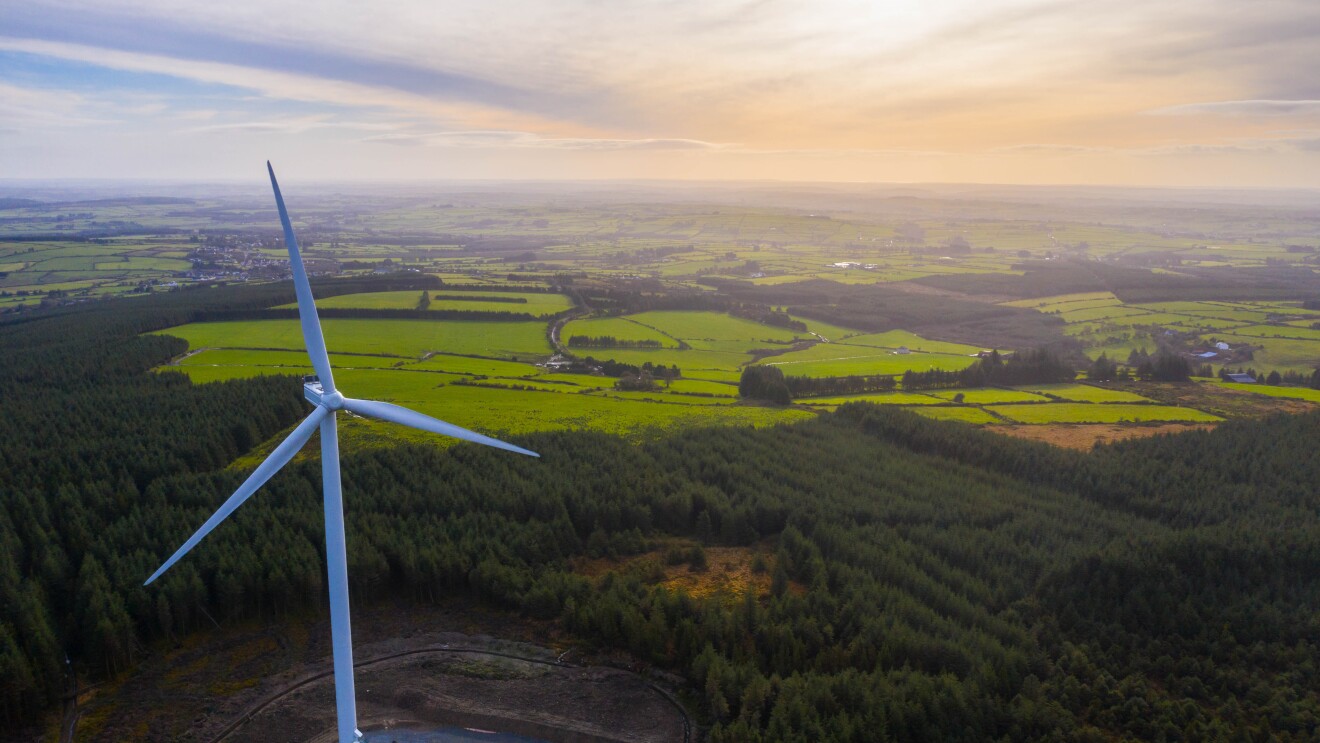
<point>829,332</point>
<point>1294,393</point>
<point>1119,352</point>
<point>699,386</point>
<point>534,383</point>
<point>538,304</point>
<point>914,342</point>
<point>476,366</point>
<point>578,382</point>
<point>621,328</point>
<point>143,263</point>
<point>1212,311</point>
<point>295,362</point>
<point>711,326</point>
<point>1057,301</point>
<point>662,396</point>
<point>1085,393</point>
<point>956,413</point>
<point>838,359</point>
<point>205,374</point>
<point>406,338</point>
<point>990,395</point>
<point>879,398</point>
<point>1093,314</point>
<point>1272,331</point>
<point>691,360</point>
<point>506,411</point>
<point>1067,412</point>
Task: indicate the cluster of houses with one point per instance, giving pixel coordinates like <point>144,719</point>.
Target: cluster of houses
<point>238,260</point>
<point>1220,352</point>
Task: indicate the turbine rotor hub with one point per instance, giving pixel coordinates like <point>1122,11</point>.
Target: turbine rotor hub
<point>333,400</point>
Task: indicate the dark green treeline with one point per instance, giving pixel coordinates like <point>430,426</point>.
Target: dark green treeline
<point>931,581</point>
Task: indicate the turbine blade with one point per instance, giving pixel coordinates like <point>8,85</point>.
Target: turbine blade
<point>311,324</point>
<point>403,416</point>
<point>277,459</point>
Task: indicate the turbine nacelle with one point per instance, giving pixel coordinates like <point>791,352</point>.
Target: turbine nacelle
<point>316,395</point>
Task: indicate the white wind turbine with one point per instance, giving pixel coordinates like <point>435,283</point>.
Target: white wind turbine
<point>328,400</point>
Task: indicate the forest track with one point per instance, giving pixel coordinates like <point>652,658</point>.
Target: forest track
<point>262,704</point>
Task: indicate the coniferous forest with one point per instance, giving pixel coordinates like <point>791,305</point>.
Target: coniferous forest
<point>931,581</point>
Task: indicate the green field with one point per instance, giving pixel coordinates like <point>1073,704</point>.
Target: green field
<point>713,365</point>
<point>1064,412</point>
<point>713,326</point>
<point>403,338</point>
<point>1103,324</point>
<point>838,360</point>
<point>295,362</point>
<point>506,411</point>
<point>879,398</point>
<point>1084,393</point>
<point>473,366</point>
<point>624,329</point>
<point>534,303</point>
<point>893,339</point>
<point>957,413</point>
<point>989,396</point>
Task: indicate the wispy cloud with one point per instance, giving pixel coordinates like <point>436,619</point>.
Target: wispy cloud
<point>843,84</point>
<point>1253,108</point>
<point>293,125</point>
<point>495,138</point>
<point>22,107</point>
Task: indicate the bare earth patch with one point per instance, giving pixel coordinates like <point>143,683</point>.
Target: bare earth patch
<point>438,687</point>
<point>730,571</point>
<point>1084,436</point>
<point>250,681</point>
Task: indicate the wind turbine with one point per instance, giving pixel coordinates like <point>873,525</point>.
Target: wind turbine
<point>321,392</point>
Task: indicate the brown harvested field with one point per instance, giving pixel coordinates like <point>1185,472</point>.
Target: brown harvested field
<point>1221,401</point>
<point>1083,436</point>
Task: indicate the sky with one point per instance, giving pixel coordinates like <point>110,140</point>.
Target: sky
<point>1199,93</point>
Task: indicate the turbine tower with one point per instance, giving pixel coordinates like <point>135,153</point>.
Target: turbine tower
<point>328,400</point>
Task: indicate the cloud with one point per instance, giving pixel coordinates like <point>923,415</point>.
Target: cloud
<point>293,125</point>
<point>1231,147</point>
<point>24,108</point>
<point>1253,108</point>
<point>535,141</point>
<point>841,85</point>
<point>1047,148</point>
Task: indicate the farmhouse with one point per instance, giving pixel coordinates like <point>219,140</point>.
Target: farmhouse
<point>1222,346</point>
